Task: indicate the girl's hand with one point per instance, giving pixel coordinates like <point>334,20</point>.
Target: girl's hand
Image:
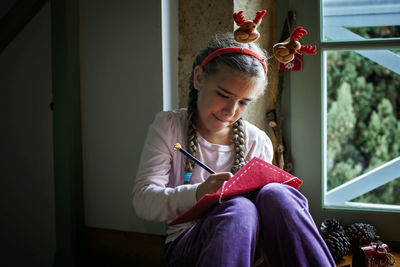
<point>212,184</point>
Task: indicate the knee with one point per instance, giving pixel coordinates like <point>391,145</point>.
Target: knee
<point>239,212</point>
<point>280,197</point>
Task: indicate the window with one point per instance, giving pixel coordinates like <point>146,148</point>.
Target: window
<point>362,104</point>
<point>351,36</point>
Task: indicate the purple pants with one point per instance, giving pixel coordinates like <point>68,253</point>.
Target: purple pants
<point>273,223</point>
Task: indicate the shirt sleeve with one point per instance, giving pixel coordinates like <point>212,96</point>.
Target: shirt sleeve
<point>152,198</point>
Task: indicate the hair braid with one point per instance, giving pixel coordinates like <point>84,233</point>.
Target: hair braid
<point>239,142</point>
<point>191,131</point>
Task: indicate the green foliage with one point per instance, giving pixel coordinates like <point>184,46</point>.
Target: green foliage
<point>363,122</point>
<point>362,98</point>
<point>341,125</point>
<point>341,119</point>
<point>377,32</point>
<point>343,172</point>
<point>385,194</point>
<point>378,140</point>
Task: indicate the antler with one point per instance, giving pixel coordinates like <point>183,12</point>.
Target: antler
<point>309,49</point>
<point>297,33</point>
<point>259,15</point>
<point>238,17</point>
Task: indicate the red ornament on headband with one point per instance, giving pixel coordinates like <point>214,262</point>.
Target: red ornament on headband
<point>285,52</point>
<point>246,33</point>
<point>234,50</point>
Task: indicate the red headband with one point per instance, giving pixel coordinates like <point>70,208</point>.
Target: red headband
<point>232,50</point>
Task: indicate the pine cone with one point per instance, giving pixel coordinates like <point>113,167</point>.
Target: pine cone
<point>361,234</point>
<point>338,244</point>
<point>330,225</point>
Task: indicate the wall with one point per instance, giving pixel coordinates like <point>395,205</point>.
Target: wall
<point>121,83</point>
<point>198,21</point>
<point>27,232</point>
<point>121,92</point>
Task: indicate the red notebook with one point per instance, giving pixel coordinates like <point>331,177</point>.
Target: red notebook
<point>255,174</point>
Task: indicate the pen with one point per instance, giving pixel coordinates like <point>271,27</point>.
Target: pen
<point>178,147</point>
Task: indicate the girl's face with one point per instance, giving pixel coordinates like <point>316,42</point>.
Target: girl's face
<point>223,97</point>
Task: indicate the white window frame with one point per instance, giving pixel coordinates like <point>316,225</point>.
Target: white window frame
<point>304,122</point>
<point>363,184</point>
<point>170,45</point>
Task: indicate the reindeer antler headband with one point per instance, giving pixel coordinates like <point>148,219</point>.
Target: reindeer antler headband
<point>246,33</point>
<point>234,50</point>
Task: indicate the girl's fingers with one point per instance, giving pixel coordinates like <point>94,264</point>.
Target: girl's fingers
<point>221,176</point>
<point>212,184</point>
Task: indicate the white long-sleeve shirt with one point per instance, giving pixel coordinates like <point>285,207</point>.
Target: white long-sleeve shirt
<point>159,193</point>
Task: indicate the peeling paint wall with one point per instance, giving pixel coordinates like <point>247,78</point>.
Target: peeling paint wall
<point>257,110</point>
<point>198,21</point>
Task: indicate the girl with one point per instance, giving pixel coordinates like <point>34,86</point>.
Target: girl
<point>272,224</point>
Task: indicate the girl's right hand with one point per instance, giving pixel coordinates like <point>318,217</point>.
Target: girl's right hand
<point>212,184</point>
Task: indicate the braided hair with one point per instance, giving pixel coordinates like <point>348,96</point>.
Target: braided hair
<point>244,63</point>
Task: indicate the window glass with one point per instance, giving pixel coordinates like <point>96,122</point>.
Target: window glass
<point>357,20</point>
<point>362,103</point>
<point>363,122</point>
